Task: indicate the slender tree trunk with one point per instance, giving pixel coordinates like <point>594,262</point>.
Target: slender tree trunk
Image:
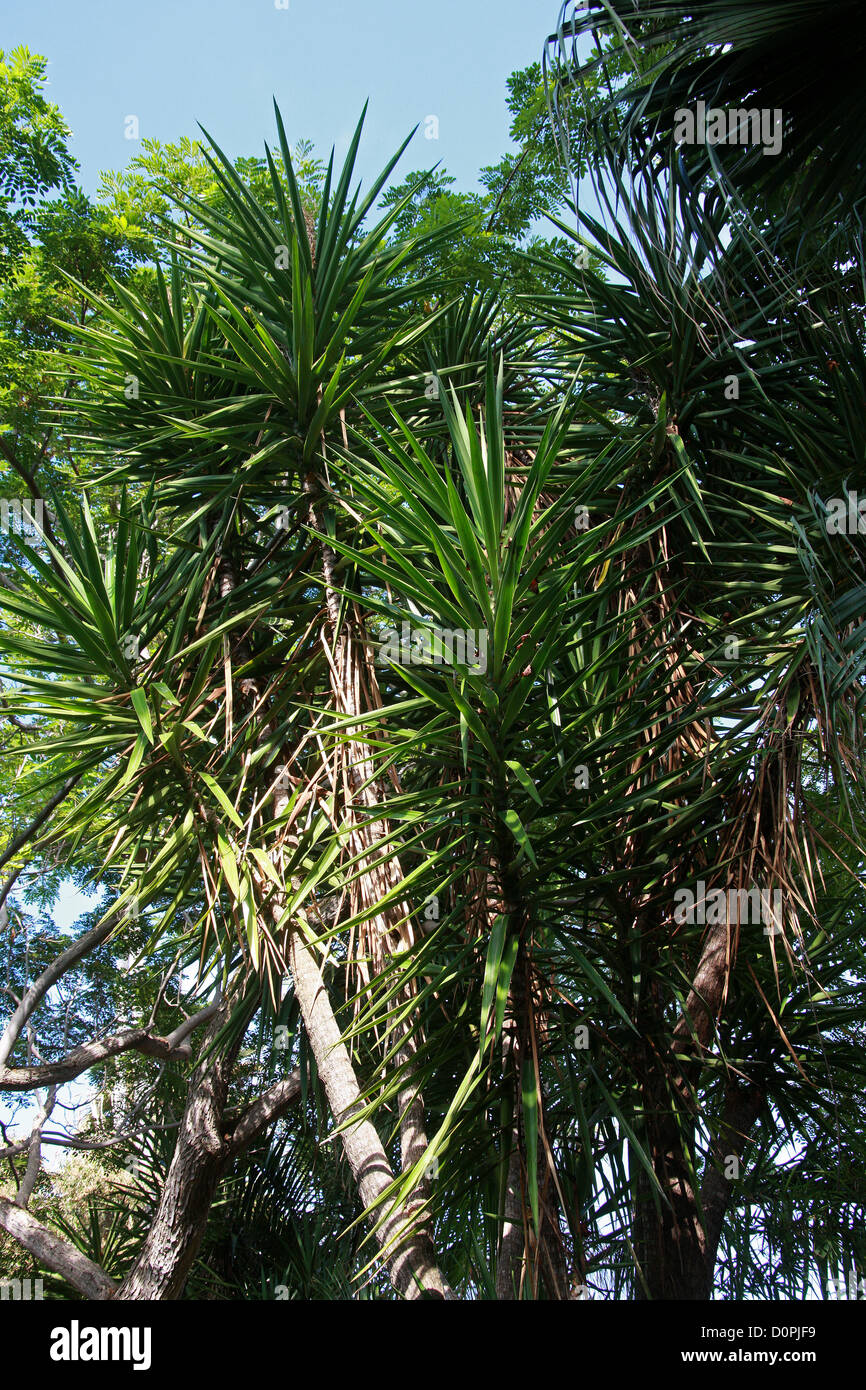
<point>406,1250</point>
<point>355,691</point>
<point>512,1241</point>
<point>525,1257</point>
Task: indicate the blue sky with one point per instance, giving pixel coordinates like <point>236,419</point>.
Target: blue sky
<point>173,63</point>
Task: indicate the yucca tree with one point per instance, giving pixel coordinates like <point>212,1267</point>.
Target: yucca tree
<point>707,665</point>
<point>250,396</point>
<point>434,654</point>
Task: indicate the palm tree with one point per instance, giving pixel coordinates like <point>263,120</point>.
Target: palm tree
<point>436,656</point>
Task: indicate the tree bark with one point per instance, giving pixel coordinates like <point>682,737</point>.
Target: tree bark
<point>355,691</point>
<point>676,1240</point>
<point>522,1262</point>
<point>406,1249</point>
<point>743,1104</point>
<point>510,1255</point>
<point>197,1165</point>
<point>206,1143</point>
<point>55,1252</point>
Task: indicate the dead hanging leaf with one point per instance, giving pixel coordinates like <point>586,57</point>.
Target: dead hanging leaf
<point>782,1034</point>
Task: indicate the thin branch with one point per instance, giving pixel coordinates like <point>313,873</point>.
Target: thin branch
<point>504,189</point>
<point>38,821</point>
<point>82,947</point>
<point>34,1156</point>
<point>183,1030</point>
<point>24,473</point>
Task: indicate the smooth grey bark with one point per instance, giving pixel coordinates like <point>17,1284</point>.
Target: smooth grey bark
<point>349,666</point>
<point>55,1252</point>
<point>405,1250</point>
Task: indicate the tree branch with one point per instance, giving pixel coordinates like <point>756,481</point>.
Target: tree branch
<point>38,821</point>
<point>55,1252</point>
<point>82,1058</point>
<point>24,473</point>
<point>82,947</point>
<point>263,1110</point>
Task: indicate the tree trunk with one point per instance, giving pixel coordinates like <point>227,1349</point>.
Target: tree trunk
<point>669,1240</point>
<point>406,1250</point>
<point>510,1255</point>
<point>355,691</point>
<point>198,1163</point>
<point>743,1104</point>
<point>525,1257</point>
<point>676,1240</point>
